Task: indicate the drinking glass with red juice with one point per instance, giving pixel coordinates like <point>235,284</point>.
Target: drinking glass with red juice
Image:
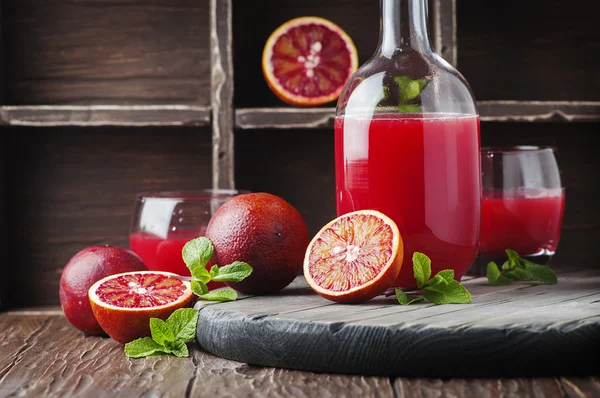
<point>522,205</point>
<point>407,144</point>
<point>163,222</point>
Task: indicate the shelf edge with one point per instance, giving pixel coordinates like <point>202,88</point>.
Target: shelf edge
<point>496,111</point>
<point>104,115</point>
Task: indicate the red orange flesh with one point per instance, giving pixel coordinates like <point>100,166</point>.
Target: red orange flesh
<point>354,257</point>
<point>124,303</point>
<point>308,60</point>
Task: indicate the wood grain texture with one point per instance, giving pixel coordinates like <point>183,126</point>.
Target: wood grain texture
<point>3,232</point>
<point>43,355</point>
<point>59,360</point>
<point>105,115</point>
<point>218,377</point>
<point>221,51</point>
<point>534,50</point>
<point>15,336</point>
<point>297,329</point>
<point>48,357</point>
<point>480,388</point>
<point>106,52</point>
<point>72,188</point>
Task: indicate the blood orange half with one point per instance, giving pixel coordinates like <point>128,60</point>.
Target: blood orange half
<point>124,303</point>
<point>355,257</point>
<point>308,60</point>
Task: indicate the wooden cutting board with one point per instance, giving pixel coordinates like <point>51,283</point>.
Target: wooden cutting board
<point>523,329</point>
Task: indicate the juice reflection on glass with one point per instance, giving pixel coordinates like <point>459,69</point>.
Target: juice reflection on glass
<point>423,172</point>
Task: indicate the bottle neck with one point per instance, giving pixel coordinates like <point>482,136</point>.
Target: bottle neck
<point>403,24</point>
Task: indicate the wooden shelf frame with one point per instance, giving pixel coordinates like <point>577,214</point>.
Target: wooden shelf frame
<point>223,118</point>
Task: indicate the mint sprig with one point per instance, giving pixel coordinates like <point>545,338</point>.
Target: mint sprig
<point>516,268</point>
<point>196,254</point>
<point>409,90</point>
<point>168,337</point>
<point>441,289</point>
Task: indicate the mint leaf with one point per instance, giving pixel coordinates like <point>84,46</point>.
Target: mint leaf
<point>494,276</point>
<point>143,347</point>
<point>183,323</point>
<point>160,331</point>
<point>177,348</point>
<point>409,108</point>
<point>446,274</point>
<point>402,82</point>
<point>220,295</point>
<point>196,254</point>
<point>198,288</point>
<point>513,259</point>
<point>234,272</point>
<point>436,280</point>
<point>405,299</point>
<point>214,271</point>
<point>540,273</point>
<point>413,89</point>
<point>421,268</point>
<point>447,293</point>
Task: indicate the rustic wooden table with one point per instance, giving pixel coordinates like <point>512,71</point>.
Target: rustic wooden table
<point>42,355</point>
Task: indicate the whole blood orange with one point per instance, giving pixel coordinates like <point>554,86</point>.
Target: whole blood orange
<point>83,269</point>
<point>355,257</point>
<point>307,61</point>
<point>124,303</point>
<point>264,231</point>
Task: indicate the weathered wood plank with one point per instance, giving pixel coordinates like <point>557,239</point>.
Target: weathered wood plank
<point>480,388</point>
<point>48,357</point>
<point>535,322</point>
<point>15,336</point>
<point>221,50</point>
<point>3,234</point>
<point>105,115</point>
<point>60,361</point>
<point>216,376</point>
<point>106,52</point>
<point>581,387</point>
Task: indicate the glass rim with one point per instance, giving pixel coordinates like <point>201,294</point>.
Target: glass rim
<point>190,194</point>
<point>516,149</point>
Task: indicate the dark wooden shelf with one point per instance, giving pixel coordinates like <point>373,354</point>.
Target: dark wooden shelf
<point>105,115</point>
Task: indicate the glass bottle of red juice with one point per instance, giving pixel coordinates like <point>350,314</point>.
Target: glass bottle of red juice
<point>407,144</point>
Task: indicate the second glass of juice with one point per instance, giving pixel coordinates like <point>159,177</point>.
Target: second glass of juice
<point>522,205</point>
<point>407,144</point>
<point>163,222</point>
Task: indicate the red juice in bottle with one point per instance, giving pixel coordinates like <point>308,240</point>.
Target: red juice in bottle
<point>421,170</point>
<point>527,221</point>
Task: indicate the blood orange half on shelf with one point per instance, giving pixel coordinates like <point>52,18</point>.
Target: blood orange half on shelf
<point>355,257</point>
<point>124,303</point>
<point>307,61</point>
